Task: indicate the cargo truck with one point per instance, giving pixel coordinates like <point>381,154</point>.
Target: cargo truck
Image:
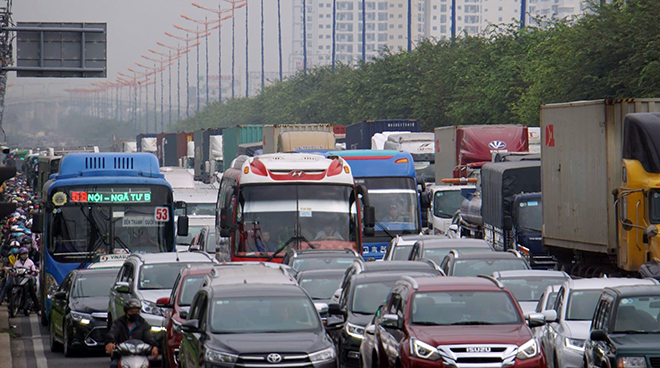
<point>358,136</point>
<point>422,148</point>
<point>172,147</point>
<point>600,178</point>
<point>240,134</point>
<point>300,137</point>
<point>460,150</point>
<point>208,153</point>
<point>146,143</point>
<point>511,209</point>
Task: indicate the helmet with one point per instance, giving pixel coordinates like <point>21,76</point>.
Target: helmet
<point>26,240</point>
<point>23,250</point>
<point>132,304</point>
<point>14,244</point>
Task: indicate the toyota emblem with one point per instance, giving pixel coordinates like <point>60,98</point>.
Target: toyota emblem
<point>497,145</point>
<point>274,358</point>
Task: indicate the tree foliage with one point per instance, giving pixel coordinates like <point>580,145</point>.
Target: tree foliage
<point>499,77</point>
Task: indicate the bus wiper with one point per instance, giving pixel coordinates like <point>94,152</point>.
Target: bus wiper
<point>122,244</point>
<point>292,239</point>
<point>92,253</point>
<point>392,236</point>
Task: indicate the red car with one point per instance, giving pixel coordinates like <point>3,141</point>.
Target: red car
<point>452,322</point>
<point>177,307</point>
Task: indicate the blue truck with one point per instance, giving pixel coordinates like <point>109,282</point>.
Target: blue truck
<point>390,180</point>
<point>102,205</point>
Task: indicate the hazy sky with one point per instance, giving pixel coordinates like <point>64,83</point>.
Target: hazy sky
<point>135,26</point>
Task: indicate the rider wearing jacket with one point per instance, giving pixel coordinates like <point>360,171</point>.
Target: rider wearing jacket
<point>130,326</point>
<point>25,262</point>
<point>8,281</point>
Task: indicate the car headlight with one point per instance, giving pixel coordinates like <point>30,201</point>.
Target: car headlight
<point>354,331</point>
<point>423,350</point>
<point>631,362</point>
<point>82,318</point>
<point>151,308</point>
<point>51,285</point>
<point>528,350</point>
<point>323,355</point>
<point>574,344</point>
<point>220,357</point>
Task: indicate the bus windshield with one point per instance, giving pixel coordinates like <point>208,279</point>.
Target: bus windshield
<point>99,223</point>
<point>303,215</point>
<point>396,204</point>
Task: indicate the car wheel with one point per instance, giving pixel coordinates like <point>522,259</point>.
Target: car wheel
<point>67,343</point>
<point>55,346</point>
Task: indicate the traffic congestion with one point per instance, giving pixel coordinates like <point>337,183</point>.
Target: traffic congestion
<point>314,250</point>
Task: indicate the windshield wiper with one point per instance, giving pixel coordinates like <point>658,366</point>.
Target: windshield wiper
<point>386,230</point>
<point>636,332</point>
<point>123,245</point>
<point>468,323</point>
<point>92,253</point>
<point>292,239</point>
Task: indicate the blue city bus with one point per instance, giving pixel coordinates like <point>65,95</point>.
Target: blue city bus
<point>390,180</point>
<point>101,205</point>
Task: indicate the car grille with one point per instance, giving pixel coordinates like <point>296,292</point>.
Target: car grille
<point>655,362</point>
<point>288,360</point>
<point>96,336</point>
<point>478,355</point>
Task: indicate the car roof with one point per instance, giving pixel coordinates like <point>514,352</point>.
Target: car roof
<point>516,274</point>
<point>257,273</point>
<point>486,255</point>
<point>601,283</point>
<point>108,265</point>
<point>455,283</point>
<point>256,290</point>
<point>170,257</point>
<point>97,271</point>
<point>636,290</point>
<point>454,243</point>
<point>317,274</point>
<point>396,266</point>
<point>200,269</point>
<point>323,253</point>
<point>366,278</point>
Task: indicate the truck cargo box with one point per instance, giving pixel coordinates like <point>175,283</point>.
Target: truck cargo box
<point>232,137</point>
<point>500,182</point>
<point>358,136</point>
<point>581,155</point>
<point>146,143</point>
<point>272,132</point>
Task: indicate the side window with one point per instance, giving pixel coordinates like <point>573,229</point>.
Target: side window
<point>343,298</point>
<point>559,302</point>
<point>66,284</point>
<point>445,265</point>
<point>201,314</point>
<point>123,275</point>
<point>539,306</point>
<point>174,289</point>
<point>127,276</point>
<point>395,304</point>
<point>194,307</point>
<point>596,323</point>
<point>607,311</point>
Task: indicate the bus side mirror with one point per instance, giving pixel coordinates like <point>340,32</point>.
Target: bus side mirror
<point>38,222</point>
<point>182,226</point>
<point>225,218</point>
<point>369,220</point>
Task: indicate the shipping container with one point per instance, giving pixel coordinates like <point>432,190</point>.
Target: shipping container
<point>271,133</point>
<point>208,147</point>
<point>146,143</point>
<point>232,137</point>
<point>358,136</point>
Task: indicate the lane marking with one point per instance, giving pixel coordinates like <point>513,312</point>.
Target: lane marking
<point>37,344</point>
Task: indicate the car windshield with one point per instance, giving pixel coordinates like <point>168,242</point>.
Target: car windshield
<point>159,276</point>
<point>464,308</point>
<point>367,297</point>
<point>474,267</point>
<point>437,254</point>
<point>193,231</point>
<point>396,204</point>
<point>322,263</point>
<point>263,315</point>
<point>321,287</point>
<point>582,304</point>
<point>530,215</point>
<point>527,289</point>
<point>446,203</point>
<point>639,314</point>
<point>190,287</point>
<point>401,252</point>
<point>89,286</point>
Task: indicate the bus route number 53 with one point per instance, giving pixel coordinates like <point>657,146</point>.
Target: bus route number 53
<point>162,214</point>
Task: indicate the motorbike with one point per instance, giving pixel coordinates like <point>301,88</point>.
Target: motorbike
<point>133,354</point>
<point>19,297</point>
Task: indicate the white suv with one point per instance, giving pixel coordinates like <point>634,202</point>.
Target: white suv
<point>148,277</point>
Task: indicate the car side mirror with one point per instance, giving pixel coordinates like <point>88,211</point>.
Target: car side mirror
<point>550,315</point>
<point>453,227</point>
<point>164,302</point>
<point>183,314</point>
<point>369,220</point>
<point>371,330</point>
<point>390,321</point>
<point>335,310</point>
<point>190,326</point>
<point>535,320</point>
<point>182,226</point>
<point>598,335</point>
<point>122,287</point>
<point>38,222</point>
<point>322,309</point>
<point>59,295</point>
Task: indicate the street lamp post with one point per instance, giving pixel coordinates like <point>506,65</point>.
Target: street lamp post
<point>198,34</point>
<point>188,46</point>
<point>206,24</point>
<point>169,73</point>
<point>179,50</point>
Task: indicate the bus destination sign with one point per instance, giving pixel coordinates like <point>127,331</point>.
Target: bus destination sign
<point>111,197</point>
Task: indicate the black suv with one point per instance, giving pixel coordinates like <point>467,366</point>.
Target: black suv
<point>625,329</point>
<point>253,321</point>
<point>320,259</point>
<point>458,263</point>
<point>437,249</point>
<point>358,302</point>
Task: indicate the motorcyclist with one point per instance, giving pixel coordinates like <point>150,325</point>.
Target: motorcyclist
<point>25,261</point>
<point>130,326</point>
<point>10,260</point>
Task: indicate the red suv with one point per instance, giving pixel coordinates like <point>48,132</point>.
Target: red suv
<point>454,322</point>
<point>178,303</point>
